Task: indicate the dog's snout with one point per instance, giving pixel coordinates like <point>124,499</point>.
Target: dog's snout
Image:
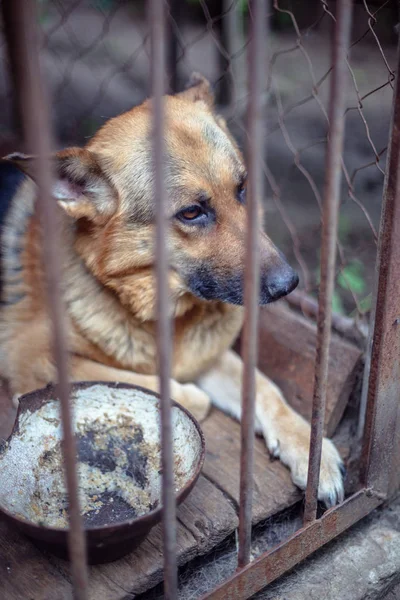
<point>281,281</point>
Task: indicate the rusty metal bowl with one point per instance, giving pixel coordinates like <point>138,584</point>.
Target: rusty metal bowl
<point>118,439</point>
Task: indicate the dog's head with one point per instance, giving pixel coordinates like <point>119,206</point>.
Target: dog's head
<point>106,188</point>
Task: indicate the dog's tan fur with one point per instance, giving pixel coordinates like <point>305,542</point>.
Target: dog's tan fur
<point>107,222</point>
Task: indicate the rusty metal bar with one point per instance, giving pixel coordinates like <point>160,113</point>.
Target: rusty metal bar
<point>232,38</point>
<point>35,119</point>
<point>164,337</point>
<point>337,103</point>
<point>384,376</point>
<point>173,44</point>
<point>269,566</point>
<point>224,88</point>
<point>255,152</point>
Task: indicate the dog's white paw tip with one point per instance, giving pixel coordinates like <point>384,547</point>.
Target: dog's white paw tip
<point>331,489</point>
<point>332,498</point>
<point>274,448</point>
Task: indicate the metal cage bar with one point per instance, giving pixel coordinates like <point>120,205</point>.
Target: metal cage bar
<point>269,566</point>
<point>164,337</point>
<point>22,19</point>
<point>337,104</point>
<point>384,381</point>
<point>384,376</point>
<point>255,152</point>
<point>174,7</point>
<point>382,423</point>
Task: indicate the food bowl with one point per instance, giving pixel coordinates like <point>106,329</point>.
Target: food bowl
<point>117,430</point>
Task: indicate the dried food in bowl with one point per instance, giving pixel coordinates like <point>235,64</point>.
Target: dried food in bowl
<point>117,430</point>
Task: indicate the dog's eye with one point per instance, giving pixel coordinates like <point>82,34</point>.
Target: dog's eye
<point>193,215</point>
<point>241,191</point>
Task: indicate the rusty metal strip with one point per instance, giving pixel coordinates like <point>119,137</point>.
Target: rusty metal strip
<point>337,103</point>
<point>164,337</point>
<point>269,566</point>
<point>35,120</point>
<point>175,8</point>
<point>255,151</point>
<point>384,377</point>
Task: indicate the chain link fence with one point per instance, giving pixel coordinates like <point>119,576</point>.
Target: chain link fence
<point>96,59</point>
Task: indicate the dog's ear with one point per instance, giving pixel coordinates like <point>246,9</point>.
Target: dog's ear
<point>25,162</point>
<point>198,89</point>
<point>80,186</point>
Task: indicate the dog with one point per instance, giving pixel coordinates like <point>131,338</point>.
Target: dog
<point>107,221</point>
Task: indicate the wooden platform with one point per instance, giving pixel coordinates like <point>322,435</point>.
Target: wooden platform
<point>210,513</point>
<point>207,517</point>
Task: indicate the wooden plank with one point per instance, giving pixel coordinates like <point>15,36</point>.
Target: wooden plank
<point>25,573</point>
<point>273,487</point>
<point>287,354</point>
<point>204,520</point>
<point>209,515</point>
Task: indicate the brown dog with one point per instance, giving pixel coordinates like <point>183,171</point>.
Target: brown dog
<point>105,191</point>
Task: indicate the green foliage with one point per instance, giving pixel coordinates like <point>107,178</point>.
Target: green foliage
<point>284,20</point>
<point>344,227</point>
<point>103,5</point>
<point>43,12</point>
<point>243,6</point>
<point>337,303</point>
<point>365,304</point>
<point>351,278</point>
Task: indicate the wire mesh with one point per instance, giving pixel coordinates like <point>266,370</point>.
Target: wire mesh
<point>96,56</point>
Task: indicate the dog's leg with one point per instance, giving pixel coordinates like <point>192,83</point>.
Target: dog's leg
<point>286,433</point>
<point>189,395</point>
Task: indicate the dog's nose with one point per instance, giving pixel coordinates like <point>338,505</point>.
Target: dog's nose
<point>281,281</point>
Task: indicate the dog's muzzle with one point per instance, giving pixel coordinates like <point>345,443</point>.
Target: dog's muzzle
<point>280,281</point>
<point>213,284</point>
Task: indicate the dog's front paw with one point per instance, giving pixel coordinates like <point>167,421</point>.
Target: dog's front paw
<point>330,489</point>
<point>194,399</point>
<point>291,445</point>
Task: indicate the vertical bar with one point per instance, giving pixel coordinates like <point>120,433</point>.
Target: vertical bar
<point>384,376</point>
<point>337,103</point>
<point>255,154</point>
<point>267,567</point>
<point>233,40</point>
<point>34,117</point>
<point>224,91</point>
<point>14,67</point>
<point>173,44</point>
<point>157,24</point>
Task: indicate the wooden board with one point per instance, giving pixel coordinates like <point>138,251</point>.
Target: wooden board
<point>210,513</point>
<point>204,520</point>
<point>273,488</point>
<point>25,573</point>
<point>207,517</point>
<point>287,354</point>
